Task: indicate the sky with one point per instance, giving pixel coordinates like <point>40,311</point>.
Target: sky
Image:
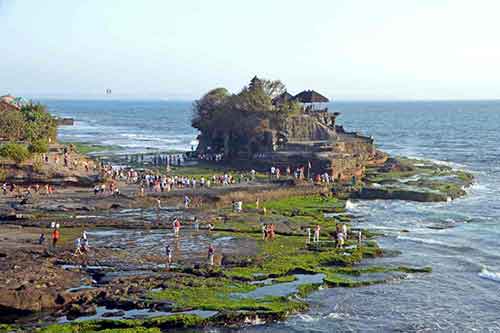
<point>170,49</point>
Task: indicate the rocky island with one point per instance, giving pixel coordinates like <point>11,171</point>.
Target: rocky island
<point>270,170</point>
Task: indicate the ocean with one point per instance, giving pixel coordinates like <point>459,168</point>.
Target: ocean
<point>460,240</point>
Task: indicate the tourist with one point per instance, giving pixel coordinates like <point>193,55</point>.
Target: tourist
<point>196,224</point>
<point>158,204</point>
<point>257,202</point>
<point>316,233</point>
<point>41,239</point>
<point>78,245</point>
<point>340,240</point>
<point>264,231</point>
<point>272,228</point>
<point>187,200</point>
<point>308,235</point>
<point>168,253</point>
<point>239,206</point>
<point>55,237</point>
<point>211,252</point>
<point>210,227</point>
<point>177,227</point>
<point>4,188</point>
<point>84,234</point>
<point>360,238</point>
<point>85,245</point>
<point>344,230</point>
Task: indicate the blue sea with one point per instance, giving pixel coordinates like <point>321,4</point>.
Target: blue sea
<point>459,239</point>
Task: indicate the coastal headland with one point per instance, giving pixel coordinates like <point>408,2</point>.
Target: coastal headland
<point>271,169</point>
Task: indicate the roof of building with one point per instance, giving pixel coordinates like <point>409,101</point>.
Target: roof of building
<point>11,101</point>
<point>5,106</point>
<point>284,97</point>
<point>310,96</point>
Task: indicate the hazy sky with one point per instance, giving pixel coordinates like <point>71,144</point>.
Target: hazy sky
<point>345,49</point>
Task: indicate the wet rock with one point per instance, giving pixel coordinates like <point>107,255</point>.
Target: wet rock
<point>77,310</point>
<point>163,306</point>
<point>118,313</point>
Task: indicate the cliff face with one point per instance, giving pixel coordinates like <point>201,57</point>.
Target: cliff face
<point>307,128</point>
<point>304,138</point>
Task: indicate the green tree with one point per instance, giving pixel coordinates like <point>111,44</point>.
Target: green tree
<point>12,125</point>
<point>15,151</point>
<point>39,146</point>
<point>39,123</point>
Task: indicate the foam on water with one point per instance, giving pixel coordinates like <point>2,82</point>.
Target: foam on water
<point>488,275</point>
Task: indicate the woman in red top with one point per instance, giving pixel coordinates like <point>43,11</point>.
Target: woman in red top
<point>55,237</point>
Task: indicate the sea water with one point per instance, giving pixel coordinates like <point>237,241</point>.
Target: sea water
<point>459,239</point>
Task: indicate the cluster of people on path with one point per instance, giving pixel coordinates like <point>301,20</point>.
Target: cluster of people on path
<point>298,173</point>
<point>340,235</point>
<point>16,190</point>
<point>68,161</point>
<point>111,188</point>
<point>211,157</point>
<point>167,160</point>
<point>268,231</point>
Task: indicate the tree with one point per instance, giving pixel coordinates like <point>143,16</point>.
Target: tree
<point>15,151</point>
<point>39,123</point>
<point>12,125</point>
<point>39,146</point>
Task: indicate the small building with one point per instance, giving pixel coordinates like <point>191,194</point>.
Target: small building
<point>9,103</point>
<point>312,100</point>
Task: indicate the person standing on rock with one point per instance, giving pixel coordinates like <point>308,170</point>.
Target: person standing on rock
<point>41,239</point>
<point>211,253</point>
<point>344,230</point>
<point>177,227</point>
<point>168,253</point>
<point>187,201</point>
<point>55,237</point>
<point>78,247</point>
<point>308,235</point>
<point>316,233</point>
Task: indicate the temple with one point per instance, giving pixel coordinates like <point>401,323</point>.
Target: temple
<point>309,135</point>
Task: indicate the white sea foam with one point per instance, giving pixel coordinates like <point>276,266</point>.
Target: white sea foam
<point>489,275</point>
<point>423,240</point>
<point>307,318</point>
<point>350,205</point>
<point>338,316</point>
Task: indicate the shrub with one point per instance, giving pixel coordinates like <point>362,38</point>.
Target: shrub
<point>15,151</point>
<point>39,146</point>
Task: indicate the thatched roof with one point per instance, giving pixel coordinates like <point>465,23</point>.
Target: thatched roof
<point>284,97</point>
<point>310,96</point>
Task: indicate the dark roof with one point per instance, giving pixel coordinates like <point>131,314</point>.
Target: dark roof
<point>310,96</point>
<point>284,97</point>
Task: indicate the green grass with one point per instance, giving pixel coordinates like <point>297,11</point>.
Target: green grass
<point>87,148</point>
<point>216,294</point>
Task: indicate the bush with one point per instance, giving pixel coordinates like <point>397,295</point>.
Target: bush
<point>39,146</point>
<point>15,151</point>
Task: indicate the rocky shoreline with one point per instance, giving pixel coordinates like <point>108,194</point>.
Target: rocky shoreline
<point>122,285</point>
